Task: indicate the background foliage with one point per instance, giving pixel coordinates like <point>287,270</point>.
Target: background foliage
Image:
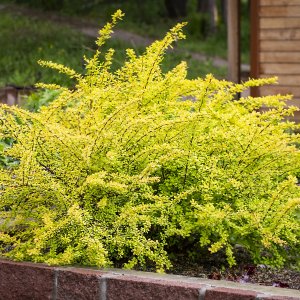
<point>27,39</point>
<point>207,19</point>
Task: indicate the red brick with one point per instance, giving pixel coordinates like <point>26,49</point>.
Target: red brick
<point>229,294</point>
<point>278,298</point>
<point>80,284</point>
<point>133,288</point>
<point>25,281</point>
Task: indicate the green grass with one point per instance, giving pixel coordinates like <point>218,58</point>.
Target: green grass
<point>212,45</point>
<point>148,19</point>
<point>24,41</point>
<point>147,23</point>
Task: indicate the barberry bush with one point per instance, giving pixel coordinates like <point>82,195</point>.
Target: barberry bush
<point>135,160</point>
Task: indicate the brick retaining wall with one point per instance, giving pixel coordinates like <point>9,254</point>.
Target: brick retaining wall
<point>37,281</point>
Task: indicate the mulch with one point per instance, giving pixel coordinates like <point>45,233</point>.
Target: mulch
<point>244,273</point>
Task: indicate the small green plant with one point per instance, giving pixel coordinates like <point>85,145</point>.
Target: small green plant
<point>35,101</point>
<point>6,161</point>
<point>136,159</point>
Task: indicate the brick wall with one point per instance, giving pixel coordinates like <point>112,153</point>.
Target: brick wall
<point>30,281</point>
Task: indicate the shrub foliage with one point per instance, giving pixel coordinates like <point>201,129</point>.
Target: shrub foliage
<point>136,160</point>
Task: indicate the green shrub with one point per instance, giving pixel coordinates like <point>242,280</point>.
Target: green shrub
<point>135,160</point>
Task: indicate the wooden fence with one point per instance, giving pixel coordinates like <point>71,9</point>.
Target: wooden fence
<point>13,95</point>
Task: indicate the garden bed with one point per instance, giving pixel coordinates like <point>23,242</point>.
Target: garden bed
<point>247,273</point>
<point>121,172</point>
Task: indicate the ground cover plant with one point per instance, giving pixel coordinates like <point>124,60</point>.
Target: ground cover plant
<point>136,165</point>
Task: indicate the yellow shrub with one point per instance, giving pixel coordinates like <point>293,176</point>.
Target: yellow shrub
<point>133,160</point>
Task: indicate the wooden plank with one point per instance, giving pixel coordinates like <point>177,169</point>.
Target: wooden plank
<point>254,44</point>
<point>277,69</point>
<point>287,80</point>
<point>278,2</point>
<point>280,11</point>
<point>278,46</point>
<point>279,57</point>
<point>283,90</point>
<point>295,101</point>
<point>280,34</point>
<point>295,118</point>
<point>233,40</point>
<point>279,23</point>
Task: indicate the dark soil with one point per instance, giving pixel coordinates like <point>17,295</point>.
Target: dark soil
<point>244,273</point>
<point>214,266</point>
